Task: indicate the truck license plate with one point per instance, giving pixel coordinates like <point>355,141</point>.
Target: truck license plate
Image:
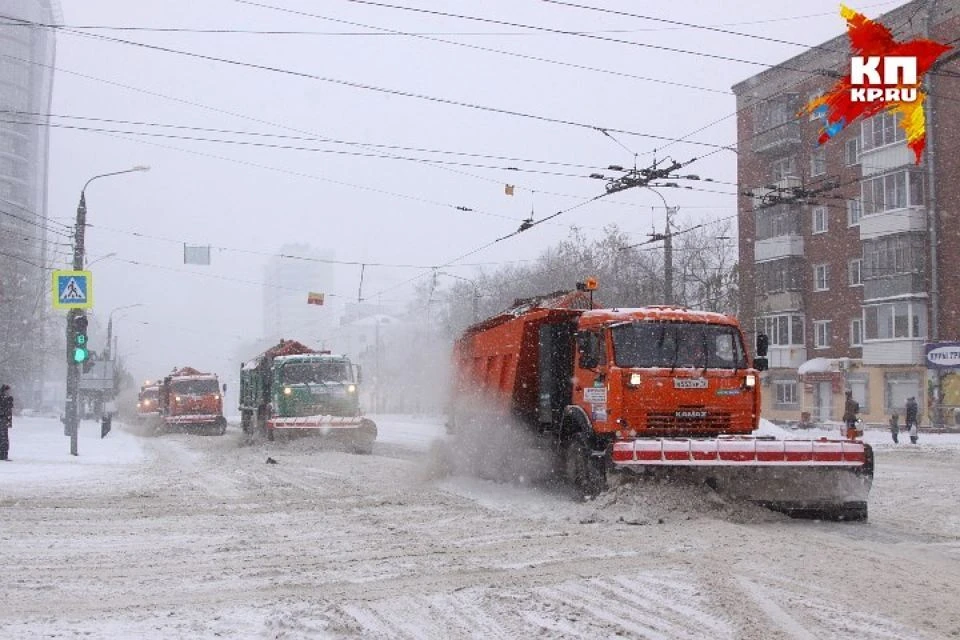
<point>689,383</point>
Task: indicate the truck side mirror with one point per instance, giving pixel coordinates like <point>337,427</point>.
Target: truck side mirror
<point>359,374</point>
<point>224,387</point>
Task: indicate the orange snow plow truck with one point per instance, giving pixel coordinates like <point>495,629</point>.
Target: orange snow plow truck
<point>657,389</point>
<point>189,399</point>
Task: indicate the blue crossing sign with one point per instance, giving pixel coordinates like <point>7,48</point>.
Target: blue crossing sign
<point>72,290</point>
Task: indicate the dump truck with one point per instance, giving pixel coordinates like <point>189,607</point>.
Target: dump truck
<point>653,390</point>
<point>191,400</point>
<point>292,388</point>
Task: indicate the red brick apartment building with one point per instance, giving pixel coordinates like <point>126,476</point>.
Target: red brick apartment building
<point>852,283</point>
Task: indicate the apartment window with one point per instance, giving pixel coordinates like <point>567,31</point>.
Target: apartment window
<point>896,190</point>
<point>881,130</point>
<point>856,332</point>
<point>821,334</point>
<point>773,113</point>
<point>818,162</point>
<point>851,154</point>
<point>854,275</point>
<point>821,277</point>
<point>811,98</point>
<point>783,330</point>
<point>895,320</point>
<point>786,393</point>
<point>853,212</point>
<point>820,220</point>
<point>782,168</point>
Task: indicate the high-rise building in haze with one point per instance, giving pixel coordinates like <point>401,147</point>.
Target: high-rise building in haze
<point>26,81</point>
<point>287,282</point>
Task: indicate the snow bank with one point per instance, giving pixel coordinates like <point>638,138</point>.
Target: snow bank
<point>40,453</point>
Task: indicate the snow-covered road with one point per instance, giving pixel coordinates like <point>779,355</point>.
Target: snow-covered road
<point>188,536</point>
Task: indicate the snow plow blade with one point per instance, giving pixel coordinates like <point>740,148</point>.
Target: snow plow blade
<point>315,422</point>
<point>823,479</point>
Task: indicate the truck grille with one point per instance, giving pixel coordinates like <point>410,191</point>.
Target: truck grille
<point>689,418</point>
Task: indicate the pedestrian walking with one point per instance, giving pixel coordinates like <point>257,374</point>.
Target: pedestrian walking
<point>911,418</point>
<point>6,420</point>
<point>895,428</point>
<point>850,410</point>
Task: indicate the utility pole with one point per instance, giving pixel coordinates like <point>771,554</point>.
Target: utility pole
<point>668,259</point>
<point>71,418</point>
<point>72,409</point>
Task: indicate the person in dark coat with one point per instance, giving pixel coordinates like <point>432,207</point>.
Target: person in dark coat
<point>850,410</point>
<point>895,428</point>
<point>911,418</point>
<point>6,420</point>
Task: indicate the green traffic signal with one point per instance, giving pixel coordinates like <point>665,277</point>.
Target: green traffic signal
<point>80,354</point>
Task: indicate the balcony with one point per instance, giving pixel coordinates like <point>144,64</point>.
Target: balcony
<point>778,247</point>
<point>897,285</point>
<point>896,351</point>
<point>777,137</point>
<point>894,221</point>
<point>886,158</point>
<point>779,301</point>
<point>786,357</point>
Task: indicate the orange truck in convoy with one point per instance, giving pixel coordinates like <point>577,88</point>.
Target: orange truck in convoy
<point>190,399</point>
<point>654,388</point>
<point>148,401</point>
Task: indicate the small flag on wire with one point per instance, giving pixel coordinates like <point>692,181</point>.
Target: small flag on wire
<point>196,255</point>
<point>315,298</point>
<point>508,189</point>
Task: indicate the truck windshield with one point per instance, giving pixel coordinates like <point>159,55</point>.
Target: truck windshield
<point>315,372</point>
<point>149,394</point>
<point>678,344</point>
<point>195,387</point>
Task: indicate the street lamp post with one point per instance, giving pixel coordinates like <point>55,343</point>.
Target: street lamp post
<point>476,293</point>
<point>667,238</point>
<point>108,349</point>
<point>72,408</point>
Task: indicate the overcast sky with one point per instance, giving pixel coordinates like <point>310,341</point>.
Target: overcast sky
<point>251,200</point>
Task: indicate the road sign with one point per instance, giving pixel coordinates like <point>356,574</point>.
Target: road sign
<point>72,290</point>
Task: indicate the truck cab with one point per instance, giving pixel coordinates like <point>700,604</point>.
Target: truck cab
<point>663,371</point>
<point>314,384</point>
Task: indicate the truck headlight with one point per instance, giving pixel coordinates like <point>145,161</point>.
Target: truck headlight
<point>287,391</point>
<point>635,380</point>
<point>351,388</point>
<point>176,398</point>
<point>750,381</point>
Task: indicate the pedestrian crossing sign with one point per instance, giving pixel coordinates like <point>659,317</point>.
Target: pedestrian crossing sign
<point>72,290</point>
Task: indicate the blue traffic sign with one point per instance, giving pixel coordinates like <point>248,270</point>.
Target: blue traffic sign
<point>72,289</point>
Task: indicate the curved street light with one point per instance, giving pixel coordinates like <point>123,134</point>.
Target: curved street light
<point>476,292</point>
<point>72,408</point>
<point>108,350</point>
<point>667,238</point>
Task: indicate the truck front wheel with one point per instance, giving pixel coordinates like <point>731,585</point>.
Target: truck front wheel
<point>584,470</point>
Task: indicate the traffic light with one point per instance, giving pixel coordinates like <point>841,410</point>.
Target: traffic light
<point>81,352</point>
